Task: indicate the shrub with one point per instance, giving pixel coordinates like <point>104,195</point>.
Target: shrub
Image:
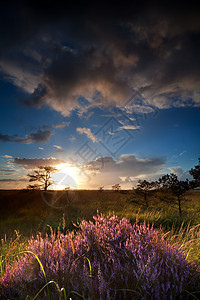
<point>105,259</point>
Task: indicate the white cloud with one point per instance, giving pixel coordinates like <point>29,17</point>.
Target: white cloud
<point>130,127</point>
<point>176,170</point>
<point>88,132</point>
<point>19,76</point>
<point>180,154</point>
<point>182,175</point>
<point>62,125</point>
<point>136,108</point>
<point>56,146</point>
<point>72,138</point>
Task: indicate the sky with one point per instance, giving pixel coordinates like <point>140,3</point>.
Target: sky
<point>105,93</point>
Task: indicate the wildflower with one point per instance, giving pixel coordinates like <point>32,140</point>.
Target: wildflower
<point>109,258</point>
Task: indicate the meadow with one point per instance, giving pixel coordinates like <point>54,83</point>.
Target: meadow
<point>53,248</point>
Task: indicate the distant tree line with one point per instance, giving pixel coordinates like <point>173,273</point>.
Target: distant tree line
<point>167,188</point>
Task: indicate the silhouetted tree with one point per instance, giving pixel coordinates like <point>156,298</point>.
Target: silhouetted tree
<point>101,188</point>
<point>43,175</point>
<point>178,188</point>
<point>116,187</point>
<point>67,188</point>
<point>145,189</point>
<point>195,172</point>
<point>33,187</point>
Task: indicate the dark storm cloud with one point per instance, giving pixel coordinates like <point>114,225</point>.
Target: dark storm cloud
<point>37,137</point>
<point>9,180</point>
<point>7,170</point>
<point>12,138</point>
<point>53,126</point>
<point>5,138</point>
<point>127,165</point>
<point>102,52</point>
<point>32,163</point>
<point>37,97</point>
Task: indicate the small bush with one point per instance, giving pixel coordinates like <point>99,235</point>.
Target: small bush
<point>105,259</point>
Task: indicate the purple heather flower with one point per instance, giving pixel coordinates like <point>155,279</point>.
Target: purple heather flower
<point>122,256</point>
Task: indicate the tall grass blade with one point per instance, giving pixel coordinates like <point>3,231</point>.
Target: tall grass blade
<point>41,266</point>
<point>129,290</point>
<point>192,294</point>
<point>45,286</point>
<point>90,267</point>
<point>76,293</point>
<point>137,283</point>
<point>64,293</point>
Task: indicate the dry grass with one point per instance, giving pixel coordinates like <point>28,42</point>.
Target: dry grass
<point>27,213</point>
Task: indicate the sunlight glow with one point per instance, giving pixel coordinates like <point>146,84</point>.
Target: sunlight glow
<point>67,176</point>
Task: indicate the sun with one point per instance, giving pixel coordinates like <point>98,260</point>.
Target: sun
<point>67,176</point>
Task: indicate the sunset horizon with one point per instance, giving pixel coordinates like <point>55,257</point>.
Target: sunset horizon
<point>99,150</point>
<point>106,96</point>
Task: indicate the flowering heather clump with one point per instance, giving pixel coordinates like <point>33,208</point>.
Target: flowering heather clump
<point>127,262</point>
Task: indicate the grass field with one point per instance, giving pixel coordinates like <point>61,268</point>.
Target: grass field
<point>26,213</point>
